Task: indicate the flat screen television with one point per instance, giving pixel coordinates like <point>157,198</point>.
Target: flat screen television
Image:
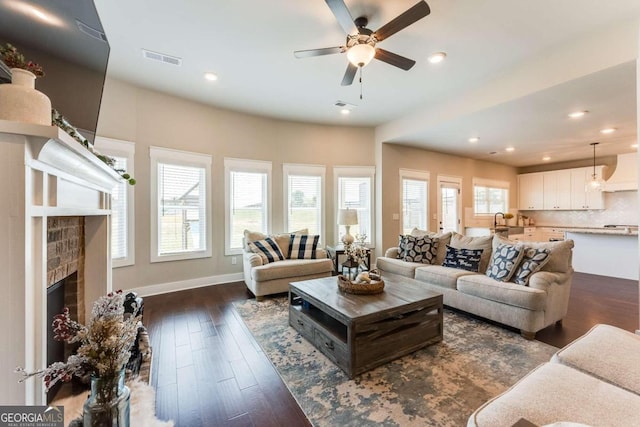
<point>66,37</point>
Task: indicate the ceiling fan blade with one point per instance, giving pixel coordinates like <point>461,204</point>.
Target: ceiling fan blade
<point>411,15</point>
<point>349,74</point>
<point>318,52</point>
<point>394,59</point>
<point>343,16</point>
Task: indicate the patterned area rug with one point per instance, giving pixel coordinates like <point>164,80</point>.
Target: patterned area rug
<point>440,385</point>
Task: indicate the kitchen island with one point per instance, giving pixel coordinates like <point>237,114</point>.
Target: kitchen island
<point>605,252</point>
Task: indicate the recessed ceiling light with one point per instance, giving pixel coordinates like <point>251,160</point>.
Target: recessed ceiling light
<point>509,149</point>
<point>210,76</point>
<point>38,13</point>
<point>634,145</point>
<point>546,158</point>
<point>474,139</point>
<point>437,57</point>
<point>345,111</point>
<point>608,130</point>
<point>577,114</point>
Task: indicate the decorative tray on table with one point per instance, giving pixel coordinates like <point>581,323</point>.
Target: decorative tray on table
<point>366,283</point>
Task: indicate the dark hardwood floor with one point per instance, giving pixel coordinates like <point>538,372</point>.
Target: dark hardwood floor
<point>209,371</point>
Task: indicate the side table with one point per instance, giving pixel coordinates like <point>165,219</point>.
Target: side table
<point>337,250</point>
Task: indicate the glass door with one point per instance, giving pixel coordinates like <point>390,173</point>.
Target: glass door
<point>449,206</point>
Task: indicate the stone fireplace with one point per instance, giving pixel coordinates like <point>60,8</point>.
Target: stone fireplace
<point>54,222</point>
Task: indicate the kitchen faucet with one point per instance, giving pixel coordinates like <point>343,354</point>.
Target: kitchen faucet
<point>495,219</point>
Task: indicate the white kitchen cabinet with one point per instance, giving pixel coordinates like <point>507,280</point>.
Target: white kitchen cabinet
<point>545,234</point>
<point>530,191</point>
<point>581,196</point>
<point>556,190</point>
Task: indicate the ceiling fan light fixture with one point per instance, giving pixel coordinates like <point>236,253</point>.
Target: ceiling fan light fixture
<point>361,54</point>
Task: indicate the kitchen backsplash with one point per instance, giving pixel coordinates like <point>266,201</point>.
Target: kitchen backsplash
<point>620,208</point>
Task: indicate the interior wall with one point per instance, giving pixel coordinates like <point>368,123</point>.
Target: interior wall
<point>396,157</point>
<point>150,118</point>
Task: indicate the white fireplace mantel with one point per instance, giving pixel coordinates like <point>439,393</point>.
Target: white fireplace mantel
<point>44,172</point>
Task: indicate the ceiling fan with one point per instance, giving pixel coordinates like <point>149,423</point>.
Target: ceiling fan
<point>361,41</point>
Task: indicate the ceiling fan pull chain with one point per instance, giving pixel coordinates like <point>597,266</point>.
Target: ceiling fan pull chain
<point>361,82</point>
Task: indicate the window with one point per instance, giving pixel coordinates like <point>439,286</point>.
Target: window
<point>180,205</point>
<point>490,196</point>
<point>354,190</point>
<point>247,200</point>
<point>122,206</point>
<point>414,191</point>
<point>304,189</point>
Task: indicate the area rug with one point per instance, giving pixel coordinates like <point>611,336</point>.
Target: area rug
<point>440,385</point>
<point>143,406</point>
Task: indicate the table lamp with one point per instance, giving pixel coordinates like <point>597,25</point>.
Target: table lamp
<point>347,217</point>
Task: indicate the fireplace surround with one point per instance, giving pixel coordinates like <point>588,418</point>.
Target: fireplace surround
<point>44,175</point>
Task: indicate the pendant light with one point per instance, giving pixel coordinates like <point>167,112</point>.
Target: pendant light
<point>596,182</point>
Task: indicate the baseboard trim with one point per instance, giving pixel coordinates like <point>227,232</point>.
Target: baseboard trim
<point>183,285</point>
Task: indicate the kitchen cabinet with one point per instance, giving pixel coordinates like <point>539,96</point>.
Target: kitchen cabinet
<point>556,190</point>
<point>581,196</point>
<point>545,234</point>
<point>530,191</point>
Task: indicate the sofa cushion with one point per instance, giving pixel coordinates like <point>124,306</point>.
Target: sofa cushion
<point>443,240</point>
<point>465,259</point>
<point>559,259</point>
<point>302,246</point>
<point>419,249</point>
<point>485,287</point>
<point>398,266</point>
<point>552,393</point>
<point>504,261</point>
<point>268,250</point>
<point>291,268</point>
<point>606,352</point>
<point>441,276</point>
<point>532,260</point>
<point>281,239</point>
<point>459,241</point>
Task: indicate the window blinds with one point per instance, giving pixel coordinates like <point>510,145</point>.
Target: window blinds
<point>119,223</point>
<point>414,204</point>
<point>355,193</point>
<point>248,205</point>
<point>305,203</point>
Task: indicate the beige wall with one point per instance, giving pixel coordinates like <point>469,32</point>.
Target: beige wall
<point>396,157</point>
<point>151,118</point>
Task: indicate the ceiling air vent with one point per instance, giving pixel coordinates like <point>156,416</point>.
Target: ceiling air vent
<point>342,104</point>
<point>90,31</point>
<point>167,59</point>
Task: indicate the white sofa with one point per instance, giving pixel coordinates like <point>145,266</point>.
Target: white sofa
<point>273,278</point>
<point>594,381</point>
<point>528,308</point>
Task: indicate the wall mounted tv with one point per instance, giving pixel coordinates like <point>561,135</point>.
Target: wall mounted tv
<point>68,40</point>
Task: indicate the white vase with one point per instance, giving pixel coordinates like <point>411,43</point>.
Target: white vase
<point>21,102</point>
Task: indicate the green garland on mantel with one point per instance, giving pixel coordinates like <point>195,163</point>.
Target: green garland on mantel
<point>60,121</point>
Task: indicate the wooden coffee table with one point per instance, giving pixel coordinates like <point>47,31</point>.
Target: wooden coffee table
<point>360,332</point>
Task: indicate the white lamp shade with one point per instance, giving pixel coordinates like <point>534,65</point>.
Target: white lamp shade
<point>361,54</point>
<point>347,217</point>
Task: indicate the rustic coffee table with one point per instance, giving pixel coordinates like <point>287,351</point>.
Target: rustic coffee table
<point>360,332</point>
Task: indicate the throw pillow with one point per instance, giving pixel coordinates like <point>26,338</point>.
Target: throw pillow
<point>504,261</point>
<point>402,243</point>
<point>464,259</point>
<point>302,246</point>
<point>533,260</point>
<point>459,241</point>
<point>420,249</point>
<point>283,239</point>
<point>268,250</point>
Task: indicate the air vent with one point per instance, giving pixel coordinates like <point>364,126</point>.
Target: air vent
<point>91,32</point>
<point>167,59</point>
<point>342,104</point>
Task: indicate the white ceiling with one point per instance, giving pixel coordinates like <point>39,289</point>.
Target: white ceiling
<point>250,44</point>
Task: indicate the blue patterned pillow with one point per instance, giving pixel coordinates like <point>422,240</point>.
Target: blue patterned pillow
<point>268,250</point>
<point>504,261</point>
<point>419,249</point>
<point>532,261</point>
<point>303,246</point>
<point>464,259</point>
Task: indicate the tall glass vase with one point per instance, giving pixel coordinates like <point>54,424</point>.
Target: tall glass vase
<point>109,404</point>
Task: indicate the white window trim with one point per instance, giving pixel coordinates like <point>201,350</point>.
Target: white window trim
<point>418,175</point>
<point>493,183</point>
<point>241,165</point>
<point>127,149</point>
<point>356,172</point>
<point>181,158</point>
<point>304,170</point>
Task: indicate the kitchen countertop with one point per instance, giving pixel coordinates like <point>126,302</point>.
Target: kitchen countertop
<point>620,231</point>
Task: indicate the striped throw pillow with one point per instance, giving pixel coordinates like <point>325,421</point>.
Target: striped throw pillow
<point>268,250</point>
<point>303,246</point>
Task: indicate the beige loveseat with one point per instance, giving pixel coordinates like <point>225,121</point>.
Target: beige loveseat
<point>272,278</point>
<point>530,308</point>
<point>594,381</point>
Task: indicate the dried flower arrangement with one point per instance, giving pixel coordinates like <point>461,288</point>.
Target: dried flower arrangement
<point>14,59</point>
